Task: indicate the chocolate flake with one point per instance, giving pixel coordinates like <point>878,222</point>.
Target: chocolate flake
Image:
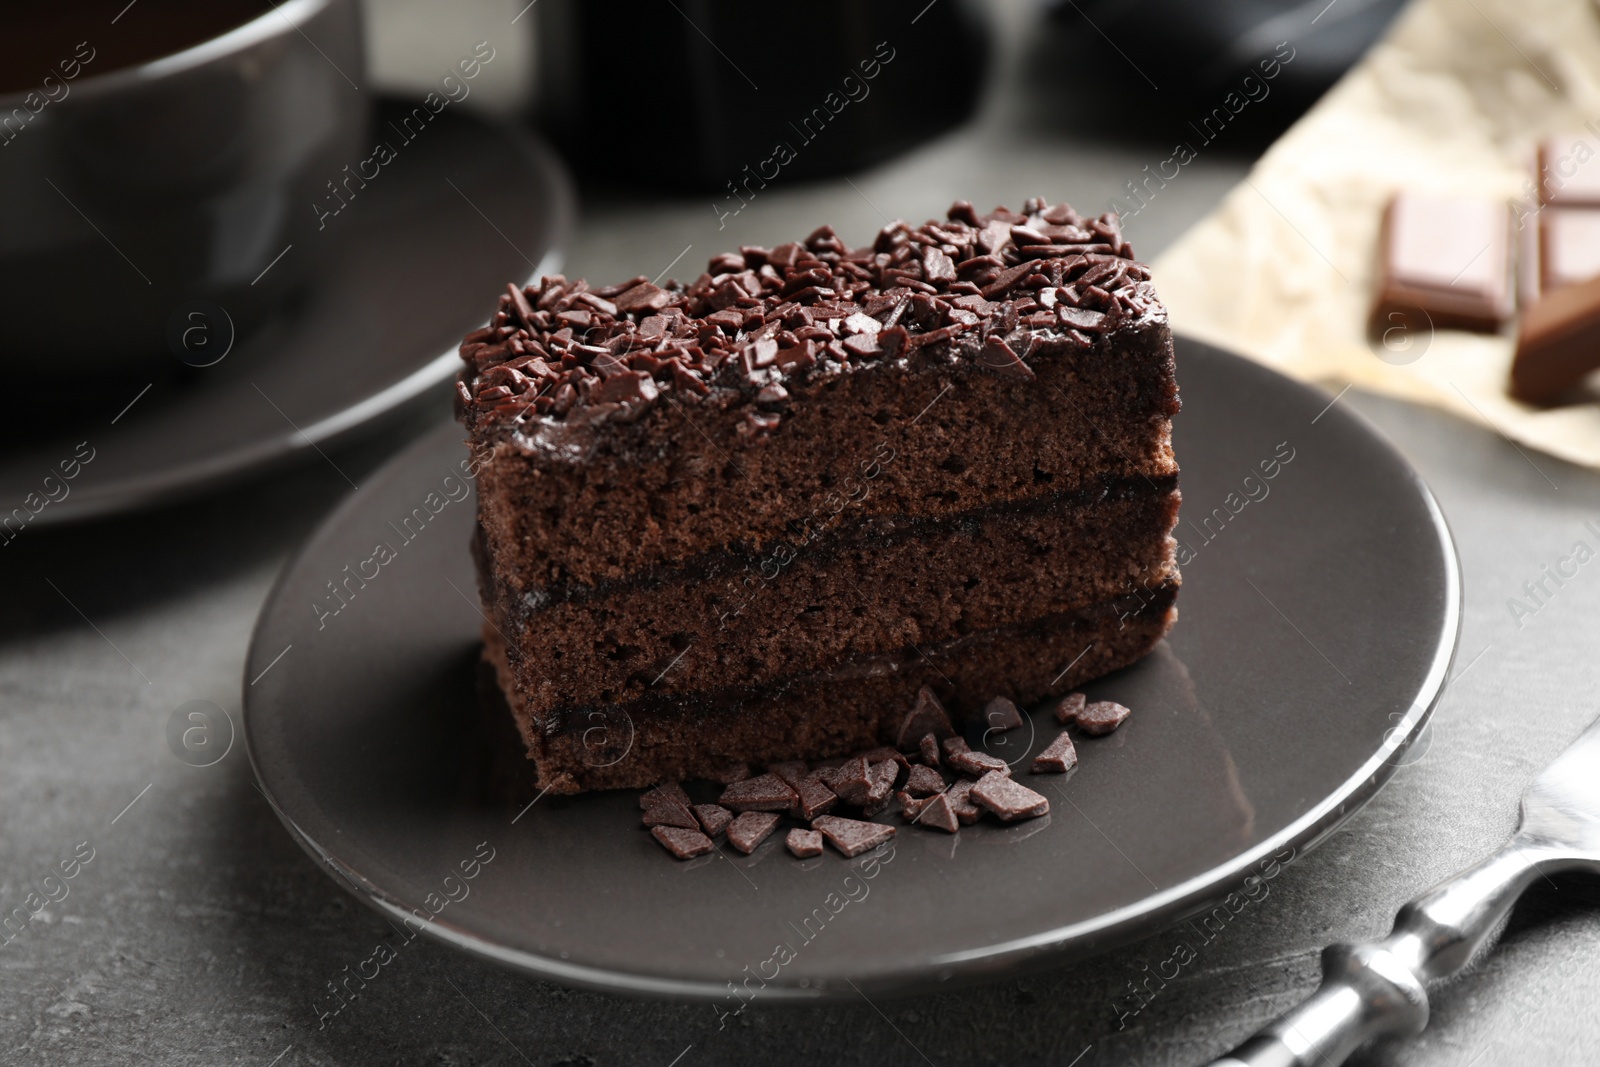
<point>684,844</point>
<point>927,716</point>
<point>814,798</point>
<point>978,764</point>
<point>1069,707</point>
<point>1001,714</point>
<point>714,818</point>
<point>924,781</point>
<point>669,814</point>
<point>750,829</point>
<point>1101,717</point>
<point>939,815</point>
<point>1007,798</point>
<point>954,745</point>
<point>765,792</point>
<point>804,843</point>
<point>960,797</point>
<point>929,747</point>
<point>852,836</point>
<point>852,782</point>
<point>1058,757</point>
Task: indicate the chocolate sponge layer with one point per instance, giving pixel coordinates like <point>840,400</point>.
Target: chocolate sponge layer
<point>868,584</point>
<point>921,437</point>
<point>856,705</point>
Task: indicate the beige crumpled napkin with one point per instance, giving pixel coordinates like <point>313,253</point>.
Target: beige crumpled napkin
<point>1452,101</point>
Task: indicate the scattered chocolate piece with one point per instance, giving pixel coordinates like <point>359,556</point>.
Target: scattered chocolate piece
<point>804,843</point>
<point>960,797</point>
<point>671,793</point>
<point>684,844</point>
<point>1445,262</point>
<point>668,814</point>
<point>852,782</point>
<point>1059,756</point>
<point>924,781</point>
<point>852,836</point>
<point>814,798</point>
<point>750,829</point>
<point>910,806</point>
<point>1008,798</point>
<point>939,815</point>
<point>927,716</point>
<point>953,745</point>
<point>979,764</point>
<point>714,818</point>
<point>1101,717</point>
<point>884,776</point>
<point>929,746</point>
<point>1001,714</point>
<point>1558,344</point>
<point>765,792</point>
<point>1069,707</point>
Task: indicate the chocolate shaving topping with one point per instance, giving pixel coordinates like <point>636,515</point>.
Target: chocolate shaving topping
<point>1069,708</point>
<point>1008,799</point>
<point>714,818</point>
<point>927,716</point>
<point>986,290</point>
<point>765,792</point>
<point>1058,757</point>
<point>750,829</point>
<point>1001,714</point>
<point>684,844</point>
<point>1101,717</point>
<point>852,836</point>
<point>804,843</point>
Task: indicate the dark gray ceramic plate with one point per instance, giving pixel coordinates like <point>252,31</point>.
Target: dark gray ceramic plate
<point>1319,614</point>
<point>408,266</point>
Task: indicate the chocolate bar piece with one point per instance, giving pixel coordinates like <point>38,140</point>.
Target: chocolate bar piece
<point>1569,171</point>
<point>1569,246</point>
<point>1446,262</point>
<point>1558,344</point>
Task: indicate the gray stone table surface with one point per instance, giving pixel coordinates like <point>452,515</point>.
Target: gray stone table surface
<point>200,933</point>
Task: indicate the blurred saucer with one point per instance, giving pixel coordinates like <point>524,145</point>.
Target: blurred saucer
<point>411,262</point>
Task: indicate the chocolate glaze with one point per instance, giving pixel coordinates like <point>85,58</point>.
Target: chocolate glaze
<point>994,291</point>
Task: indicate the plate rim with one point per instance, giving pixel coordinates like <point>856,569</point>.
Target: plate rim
<point>283,448</point>
<point>1056,947</point>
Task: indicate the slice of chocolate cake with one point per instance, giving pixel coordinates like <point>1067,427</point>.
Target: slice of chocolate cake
<point>744,520</point>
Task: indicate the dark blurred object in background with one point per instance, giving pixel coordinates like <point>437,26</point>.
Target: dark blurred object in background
<point>149,161</point>
<point>704,93</point>
<point>1191,55</point>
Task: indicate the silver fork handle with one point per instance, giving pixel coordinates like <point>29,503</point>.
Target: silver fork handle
<point>1380,989</point>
